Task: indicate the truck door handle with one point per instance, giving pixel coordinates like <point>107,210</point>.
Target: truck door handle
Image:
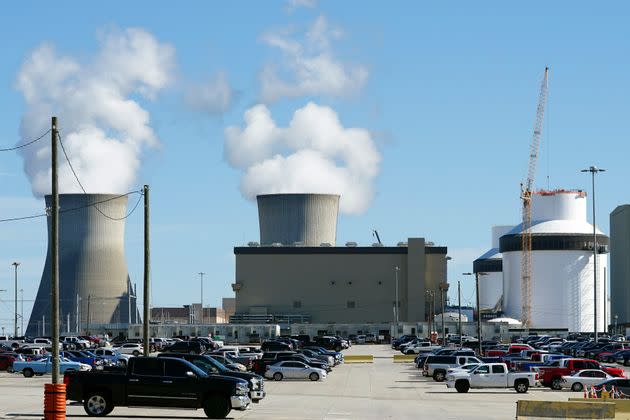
<point>167,382</point>
<point>134,380</point>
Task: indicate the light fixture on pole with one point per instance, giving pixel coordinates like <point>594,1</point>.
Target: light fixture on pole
<point>594,170</point>
<point>15,318</point>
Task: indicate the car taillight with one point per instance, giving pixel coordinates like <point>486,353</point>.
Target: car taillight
<point>66,380</point>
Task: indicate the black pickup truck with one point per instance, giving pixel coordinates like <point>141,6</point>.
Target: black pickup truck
<point>157,382</point>
<point>212,367</point>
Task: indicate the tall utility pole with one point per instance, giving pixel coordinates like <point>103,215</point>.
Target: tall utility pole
<point>147,272</point>
<point>443,290</point>
<point>201,281</point>
<point>593,170</point>
<point>459,310</point>
<point>54,287</point>
<point>15,328</point>
<point>396,305</point>
<point>478,307</point>
<point>22,310</point>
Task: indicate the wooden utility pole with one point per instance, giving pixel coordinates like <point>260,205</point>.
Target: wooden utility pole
<point>147,272</point>
<point>54,226</point>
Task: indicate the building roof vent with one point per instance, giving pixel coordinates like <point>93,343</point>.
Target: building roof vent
<point>325,244</point>
<point>377,245</point>
<point>351,244</point>
<point>253,244</point>
<point>298,243</point>
<point>402,244</point>
<point>276,244</point>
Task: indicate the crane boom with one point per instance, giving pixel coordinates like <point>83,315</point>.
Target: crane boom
<point>526,196</point>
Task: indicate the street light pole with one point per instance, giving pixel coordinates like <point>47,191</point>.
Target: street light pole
<point>15,327</point>
<point>459,310</point>
<point>593,170</point>
<point>201,281</point>
<point>396,305</point>
<point>22,310</point>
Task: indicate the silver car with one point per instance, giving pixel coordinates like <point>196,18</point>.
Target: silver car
<point>294,370</point>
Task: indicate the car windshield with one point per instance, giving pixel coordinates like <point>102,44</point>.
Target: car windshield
<point>215,363</point>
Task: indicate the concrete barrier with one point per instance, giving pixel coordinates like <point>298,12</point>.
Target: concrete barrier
<point>358,358</point>
<point>404,358</point>
<point>584,409</point>
<point>622,407</point>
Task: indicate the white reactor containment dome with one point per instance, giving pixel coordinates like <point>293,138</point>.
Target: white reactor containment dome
<point>562,283</point>
<point>298,219</point>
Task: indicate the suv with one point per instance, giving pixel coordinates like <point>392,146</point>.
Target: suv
<point>190,347</point>
<point>275,346</point>
<point>437,366</point>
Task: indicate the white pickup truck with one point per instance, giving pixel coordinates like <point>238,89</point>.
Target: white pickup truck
<point>6,341</point>
<point>491,375</point>
<point>421,347</point>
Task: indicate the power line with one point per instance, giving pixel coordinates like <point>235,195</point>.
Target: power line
<point>13,219</point>
<point>9,149</point>
<point>85,192</point>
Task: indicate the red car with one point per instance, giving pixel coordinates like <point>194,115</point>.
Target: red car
<point>551,375</point>
<point>6,361</point>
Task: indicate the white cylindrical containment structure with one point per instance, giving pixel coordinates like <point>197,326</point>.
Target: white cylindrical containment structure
<point>562,275</point>
<point>489,267</point>
<point>93,277</point>
<point>298,219</point>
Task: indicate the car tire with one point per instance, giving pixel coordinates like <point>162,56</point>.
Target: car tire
<point>9,369</point>
<point>409,352</point>
<point>277,376</point>
<point>28,373</point>
<point>577,387</point>
<point>98,404</point>
<point>313,377</point>
<point>626,362</point>
<point>439,376</point>
<point>462,386</point>
<point>136,353</point>
<point>217,407</point>
<point>521,387</point>
<point>556,384</point>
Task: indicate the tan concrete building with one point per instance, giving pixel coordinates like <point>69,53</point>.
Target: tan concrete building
<point>188,314</point>
<point>328,284</point>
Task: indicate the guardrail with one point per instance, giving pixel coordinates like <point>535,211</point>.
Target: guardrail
<point>404,358</point>
<point>358,358</point>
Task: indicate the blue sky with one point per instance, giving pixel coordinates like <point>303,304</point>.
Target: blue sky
<point>449,101</point>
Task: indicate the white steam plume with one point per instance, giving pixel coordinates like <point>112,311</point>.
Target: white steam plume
<point>103,126</point>
<point>313,154</point>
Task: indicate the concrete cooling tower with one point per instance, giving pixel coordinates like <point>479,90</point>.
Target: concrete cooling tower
<point>93,276</point>
<point>562,289</point>
<point>491,264</point>
<point>298,219</point>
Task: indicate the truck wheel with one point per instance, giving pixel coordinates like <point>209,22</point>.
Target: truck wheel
<point>462,386</point>
<point>521,387</point>
<point>28,373</point>
<point>277,376</point>
<point>217,407</point>
<point>313,377</point>
<point>556,384</point>
<point>439,376</point>
<point>97,404</point>
<point>9,369</point>
<point>577,387</point>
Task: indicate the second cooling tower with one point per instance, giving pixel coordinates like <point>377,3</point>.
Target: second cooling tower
<point>298,219</point>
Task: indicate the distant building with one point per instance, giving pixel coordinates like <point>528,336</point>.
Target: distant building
<point>620,266</point>
<point>229,307</point>
<point>188,314</point>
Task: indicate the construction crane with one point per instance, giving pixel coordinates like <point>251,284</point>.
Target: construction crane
<point>527,190</point>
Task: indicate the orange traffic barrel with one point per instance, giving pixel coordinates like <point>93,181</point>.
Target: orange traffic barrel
<point>55,401</point>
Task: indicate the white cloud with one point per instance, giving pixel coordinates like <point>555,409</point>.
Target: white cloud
<point>315,153</point>
<point>213,97</point>
<point>103,125</point>
<point>309,66</point>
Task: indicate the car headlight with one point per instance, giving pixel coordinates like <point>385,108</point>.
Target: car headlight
<point>242,389</point>
<point>255,384</point>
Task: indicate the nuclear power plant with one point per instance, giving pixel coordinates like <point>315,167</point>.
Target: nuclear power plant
<point>490,267</point>
<point>93,277</point>
<point>297,272</point>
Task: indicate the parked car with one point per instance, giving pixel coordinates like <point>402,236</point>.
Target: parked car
<point>491,375</point>
<point>275,346</point>
<point>112,356</point>
<point>135,349</point>
<point>209,365</point>
<point>77,342</point>
<point>6,361</point>
<point>228,362</point>
<point>425,346</point>
<point>437,366</point>
<point>190,347</point>
<point>329,343</point>
<point>271,358</point>
<point>179,384</point>
<point>584,379</point>
<point>551,374</point>
<point>330,360</point>
<point>620,384</point>
<point>396,342</point>
<point>44,365</point>
<point>13,343</point>
<point>294,370</point>
<point>320,350</point>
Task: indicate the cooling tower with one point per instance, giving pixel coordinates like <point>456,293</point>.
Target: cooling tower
<point>298,219</point>
<point>562,287</point>
<point>93,276</point>
<point>491,264</point>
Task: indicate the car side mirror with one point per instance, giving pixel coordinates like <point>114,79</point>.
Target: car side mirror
<point>191,374</point>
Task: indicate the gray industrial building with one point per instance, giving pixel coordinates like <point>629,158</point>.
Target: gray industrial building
<point>93,278</point>
<point>620,265</point>
<point>302,277</point>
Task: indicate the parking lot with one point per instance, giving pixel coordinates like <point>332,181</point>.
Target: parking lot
<point>352,391</point>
